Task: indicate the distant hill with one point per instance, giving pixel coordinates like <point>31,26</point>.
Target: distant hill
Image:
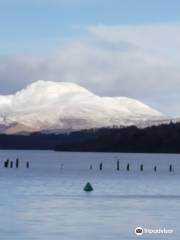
<point>156,139</point>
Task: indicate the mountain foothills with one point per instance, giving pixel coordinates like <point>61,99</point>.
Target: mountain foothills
<point>62,106</point>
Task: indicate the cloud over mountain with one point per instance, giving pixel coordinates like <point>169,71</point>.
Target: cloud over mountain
<point>134,61</point>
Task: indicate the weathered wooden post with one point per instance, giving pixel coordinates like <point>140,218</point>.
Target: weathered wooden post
<point>141,167</point>
<point>11,164</point>
<point>170,168</point>
<point>17,162</point>
<point>118,165</point>
<point>100,166</point>
<point>6,163</point>
<point>155,169</point>
<point>27,164</point>
<point>128,167</point>
<point>91,167</point>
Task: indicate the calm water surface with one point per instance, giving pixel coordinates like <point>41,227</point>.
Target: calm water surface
<point>46,201</point>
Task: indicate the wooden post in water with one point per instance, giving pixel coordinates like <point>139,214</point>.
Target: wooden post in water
<point>141,167</point>
<point>100,166</point>
<point>118,165</point>
<point>27,164</point>
<point>170,168</point>
<point>128,167</point>
<point>6,163</point>
<point>17,162</point>
<point>11,164</point>
<point>155,169</point>
<point>91,167</point>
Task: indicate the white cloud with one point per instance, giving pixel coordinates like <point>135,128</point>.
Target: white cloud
<point>135,61</point>
<point>161,38</point>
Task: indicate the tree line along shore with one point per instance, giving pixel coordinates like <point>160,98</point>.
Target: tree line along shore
<point>164,138</point>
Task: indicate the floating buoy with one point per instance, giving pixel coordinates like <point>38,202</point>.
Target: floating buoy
<point>88,187</point>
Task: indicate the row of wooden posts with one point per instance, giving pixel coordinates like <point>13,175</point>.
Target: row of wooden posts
<point>16,164</point>
<point>11,164</point>
<point>128,167</point>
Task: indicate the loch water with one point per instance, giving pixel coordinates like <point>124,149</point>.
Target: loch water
<point>46,201</point>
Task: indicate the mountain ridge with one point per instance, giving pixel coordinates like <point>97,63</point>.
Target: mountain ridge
<point>48,105</point>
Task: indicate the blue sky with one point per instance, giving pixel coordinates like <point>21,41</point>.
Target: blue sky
<point>99,44</point>
<point>38,25</point>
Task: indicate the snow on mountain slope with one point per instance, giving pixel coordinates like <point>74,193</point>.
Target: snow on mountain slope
<point>60,105</point>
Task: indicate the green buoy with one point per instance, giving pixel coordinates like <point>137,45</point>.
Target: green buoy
<point>88,187</point>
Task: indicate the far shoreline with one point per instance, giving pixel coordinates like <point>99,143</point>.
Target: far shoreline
<point>98,152</point>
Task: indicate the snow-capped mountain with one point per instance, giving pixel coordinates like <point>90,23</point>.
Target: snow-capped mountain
<point>45,105</point>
